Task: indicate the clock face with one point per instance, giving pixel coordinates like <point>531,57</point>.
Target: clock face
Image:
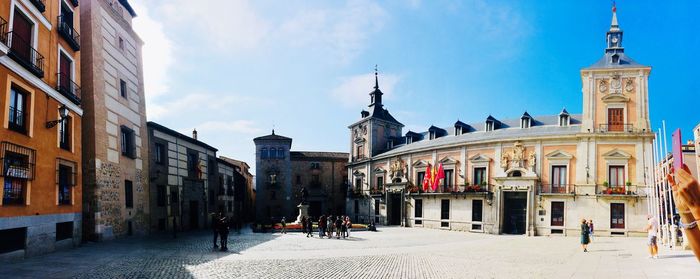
<point>614,39</point>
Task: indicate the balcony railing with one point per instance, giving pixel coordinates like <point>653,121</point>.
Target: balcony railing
<point>68,33</point>
<point>17,120</point>
<point>376,191</point>
<point>359,158</point>
<point>557,189</point>
<point>39,4</point>
<point>616,127</point>
<point>3,33</point>
<point>22,52</point>
<point>68,88</point>
<point>621,190</point>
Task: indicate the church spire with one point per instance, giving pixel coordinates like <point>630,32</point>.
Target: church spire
<point>376,95</point>
<point>614,35</point>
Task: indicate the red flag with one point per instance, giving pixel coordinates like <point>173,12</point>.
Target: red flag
<point>427,178</point>
<point>438,173</point>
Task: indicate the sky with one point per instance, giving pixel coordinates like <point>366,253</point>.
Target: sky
<point>236,69</point>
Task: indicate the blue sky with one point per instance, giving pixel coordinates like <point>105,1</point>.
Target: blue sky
<point>234,69</point>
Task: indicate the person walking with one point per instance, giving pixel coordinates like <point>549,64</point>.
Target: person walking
<point>303,226</point>
<point>310,227</point>
<point>215,218</point>
<point>585,235</point>
<point>590,227</point>
<point>651,229</point>
<point>284,225</point>
<point>321,225</point>
<point>224,226</point>
<point>348,225</point>
<point>338,225</point>
<point>329,226</point>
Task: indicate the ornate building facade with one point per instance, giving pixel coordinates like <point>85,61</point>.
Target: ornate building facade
<point>532,175</point>
<point>281,175</point>
<point>40,132</point>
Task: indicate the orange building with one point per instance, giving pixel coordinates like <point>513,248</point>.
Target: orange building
<point>40,135</point>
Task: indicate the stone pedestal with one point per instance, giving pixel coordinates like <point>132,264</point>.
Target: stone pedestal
<point>303,211</point>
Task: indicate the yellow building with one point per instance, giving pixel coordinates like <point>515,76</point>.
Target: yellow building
<point>534,175</point>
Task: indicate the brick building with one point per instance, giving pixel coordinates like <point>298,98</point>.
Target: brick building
<point>116,187</point>
<point>40,157</point>
<point>244,192</point>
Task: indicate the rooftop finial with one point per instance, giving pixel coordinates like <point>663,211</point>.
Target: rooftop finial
<point>614,25</point>
<point>376,78</point>
<point>273,129</point>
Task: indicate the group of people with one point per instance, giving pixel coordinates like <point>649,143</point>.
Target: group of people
<point>586,233</point>
<point>327,226</point>
<point>221,226</point>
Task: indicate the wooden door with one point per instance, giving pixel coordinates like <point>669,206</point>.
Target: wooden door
<point>21,35</point>
<point>65,73</point>
<point>617,215</point>
<point>615,119</point>
<point>557,214</point>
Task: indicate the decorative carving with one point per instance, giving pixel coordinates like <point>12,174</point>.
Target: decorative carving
<point>603,86</point>
<point>531,161</point>
<point>616,84</point>
<point>518,153</point>
<point>396,170</point>
<point>504,161</point>
<point>629,85</point>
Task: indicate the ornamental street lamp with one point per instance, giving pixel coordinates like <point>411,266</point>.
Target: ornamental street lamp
<point>63,113</point>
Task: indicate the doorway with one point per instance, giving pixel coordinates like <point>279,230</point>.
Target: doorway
<point>315,209</point>
<point>194,215</point>
<point>394,213</point>
<point>514,212</point>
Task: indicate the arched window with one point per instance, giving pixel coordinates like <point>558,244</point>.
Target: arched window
<point>273,152</point>
<point>263,153</point>
<point>280,153</point>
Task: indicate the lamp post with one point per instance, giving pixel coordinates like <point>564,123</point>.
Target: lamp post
<point>63,113</point>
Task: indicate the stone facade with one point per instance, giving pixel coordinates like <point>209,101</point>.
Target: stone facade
<point>244,192</point>
<point>116,200</point>
<point>182,196</point>
<point>529,175</point>
<point>273,178</point>
<point>324,176</point>
<point>40,156</point>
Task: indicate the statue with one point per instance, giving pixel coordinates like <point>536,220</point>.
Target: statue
<point>518,153</point>
<point>273,178</point>
<point>397,169</point>
<point>504,161</point>
<point>304,195</point>
<point>531,161</point>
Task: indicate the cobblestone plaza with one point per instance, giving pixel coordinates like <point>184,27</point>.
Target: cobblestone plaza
<point>392,252</point>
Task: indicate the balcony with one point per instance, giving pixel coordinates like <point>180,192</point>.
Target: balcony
<point>66,31</point>
<point>68,88</point>
<point>23,53</point>
<point>616,128</point>
<point>3,37</point>
<point>376,191</point>
<point>359,158</point>
<point>39,4</point>
<point>557,189</point>
<point>617,190</point>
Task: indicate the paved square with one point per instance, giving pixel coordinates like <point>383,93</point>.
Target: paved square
<point>391,253</point>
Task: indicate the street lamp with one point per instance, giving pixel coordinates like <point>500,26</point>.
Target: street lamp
<point>63,113</point>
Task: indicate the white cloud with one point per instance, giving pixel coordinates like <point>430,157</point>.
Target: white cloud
<point>157,53</point>
<point>196,102</point>
<point>236,126</point>
<point>342,32</point>
<point>354,90</point>
<point>226,24</point>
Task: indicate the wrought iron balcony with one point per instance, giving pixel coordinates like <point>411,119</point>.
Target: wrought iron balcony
<point>616,128</point>
<point>617,190</point>
<point>359,158</point>
<point>23,52</point>
<point>68,33</point>
<point>557,189</point>
<point>68,88</point>
<point>376,191</point>
<point>39,4</point>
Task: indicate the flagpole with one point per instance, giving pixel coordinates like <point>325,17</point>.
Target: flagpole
<point>662,195</point>
<point>657,206</point>
<point>671,210</point>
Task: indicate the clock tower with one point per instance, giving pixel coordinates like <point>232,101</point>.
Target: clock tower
<point>614,36</point>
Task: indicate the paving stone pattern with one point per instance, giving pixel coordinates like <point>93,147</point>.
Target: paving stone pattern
<point>391,253</point>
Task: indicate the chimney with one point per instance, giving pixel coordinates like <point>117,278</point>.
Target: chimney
<point>194,134</point>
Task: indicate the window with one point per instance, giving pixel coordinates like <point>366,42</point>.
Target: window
<point>357,207</point>
<point>458,131</point>
<point>360,151</point>
<point>418,211</point>
<point>564,120</point>
<point>192,164</point>
<point>616,119</point>
<point>273,152</point>
<point>316,180</point>
<point>617,215</point>
<point>18,117</point>
<point>557,214</point>
<point>66,180</point>
<point>14,189</point>
<point>127,142</point>
<point>480,176</point>
<point>448,181</point>
<point>64,230</point>
<point>263,153</point>
<point>558,179</point>
<point>159,153</point>
<point>122,88</point>
<point>525,123</point>
<point>616,174</point>
<point>13,239</point>
<point>315,165</point>
<point>380,182</point>
<point>120,42</point>
<point>129,193</point>
<point>18,168</point>
<point>615,59</point>
<point>477,210</point>
<point>161,195</point>
<point>445,213</point>
<point>280,153</point>
<point>174,198</point>
<point>64,133</point>
<point>419,178</point>
<point>489,126</point>
<point>358,184</point>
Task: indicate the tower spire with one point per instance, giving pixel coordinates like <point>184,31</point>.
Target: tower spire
<point>376,77</point>
<point>613,25</point>
<point>376,95</point>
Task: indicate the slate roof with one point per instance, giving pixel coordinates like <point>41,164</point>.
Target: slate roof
<point>319,155</point>
<point>171,132</point>
<point>381,113</point>
<point>272,137</point>
<point>546,125</point>
<point>606,62</point>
